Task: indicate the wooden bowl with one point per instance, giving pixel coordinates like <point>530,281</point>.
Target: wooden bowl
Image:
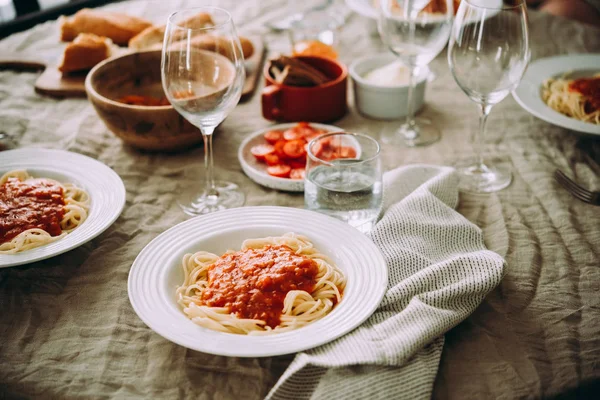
<point>154,128</point>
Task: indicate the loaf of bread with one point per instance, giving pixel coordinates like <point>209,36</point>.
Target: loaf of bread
<point>152,37</point>
<point>215,43</point>
<point>120,28</point>
<point>84,52</point>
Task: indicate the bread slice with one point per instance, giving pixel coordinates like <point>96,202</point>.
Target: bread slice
<point>219,44</point>
<point>153,36</point>
<point>118,27</point>
<point>84,52</point>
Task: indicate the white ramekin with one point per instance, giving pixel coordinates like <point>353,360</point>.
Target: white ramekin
<point>384,102</point>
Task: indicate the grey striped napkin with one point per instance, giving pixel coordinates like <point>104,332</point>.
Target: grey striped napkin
<point>439,272</point>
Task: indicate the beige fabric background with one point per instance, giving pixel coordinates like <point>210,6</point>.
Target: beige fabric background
<point>67,329</point>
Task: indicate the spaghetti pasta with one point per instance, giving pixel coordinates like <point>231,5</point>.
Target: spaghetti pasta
<point>270,285</point>
<point>37,211</point>
<point>566,97</point>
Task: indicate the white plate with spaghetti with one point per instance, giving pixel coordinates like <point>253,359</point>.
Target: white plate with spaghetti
<point>163,282</point>
<point>93,194</point>
<point>530,91</point>
<point>258,170</point>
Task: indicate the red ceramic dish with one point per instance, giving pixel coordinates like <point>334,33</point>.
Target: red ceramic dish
<point>323,103</point>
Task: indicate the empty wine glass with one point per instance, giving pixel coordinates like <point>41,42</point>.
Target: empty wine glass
<point>415,31</point>
<point>488,54</point>
<point>204,87</point>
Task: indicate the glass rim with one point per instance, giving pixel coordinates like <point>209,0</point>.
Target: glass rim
<point>504,6</point>
<point>199,10</point>
<point>336,133</point>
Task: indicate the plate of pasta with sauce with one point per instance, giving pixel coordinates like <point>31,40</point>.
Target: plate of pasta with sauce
<point>257,281</point>
<point>52,201</point>
<point>564,91</point>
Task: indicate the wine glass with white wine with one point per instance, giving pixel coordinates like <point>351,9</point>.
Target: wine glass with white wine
<point>488,54</point>
<point>204,86</point>
<point>415,31</point>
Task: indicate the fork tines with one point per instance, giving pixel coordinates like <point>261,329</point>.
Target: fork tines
<point>575,189</point>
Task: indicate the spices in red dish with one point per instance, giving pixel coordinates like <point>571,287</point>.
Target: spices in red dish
<point>590,89</point>
<point>35,203</point>
<point>253,283</point>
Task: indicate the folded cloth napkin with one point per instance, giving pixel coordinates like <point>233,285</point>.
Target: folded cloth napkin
<point>439,272</point>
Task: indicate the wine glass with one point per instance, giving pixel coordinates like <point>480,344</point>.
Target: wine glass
<point>415,31</point>
<point>202,75</point>
<point>488,54</point>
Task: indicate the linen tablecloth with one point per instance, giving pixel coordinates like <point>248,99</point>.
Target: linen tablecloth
<point>67,329</point>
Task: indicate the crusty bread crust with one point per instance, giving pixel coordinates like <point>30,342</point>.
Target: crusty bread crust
<point>154,35</point>
<point>120,28</point>
<point>84,52</point>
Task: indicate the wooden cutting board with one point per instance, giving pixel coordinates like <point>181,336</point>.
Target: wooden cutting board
<point>54,83</point>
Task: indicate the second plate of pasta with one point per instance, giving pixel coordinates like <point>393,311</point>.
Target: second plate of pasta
<point>94,197</point>
<point>257,281</point>
<point>531,91</point>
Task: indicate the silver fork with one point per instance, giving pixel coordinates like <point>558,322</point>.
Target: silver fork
<point>577,190</point>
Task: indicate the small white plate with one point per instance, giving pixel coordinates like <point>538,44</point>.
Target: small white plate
<point>156,273</point>
<point>528,94</point>
<point>105,187</point>
<point>257,171</point>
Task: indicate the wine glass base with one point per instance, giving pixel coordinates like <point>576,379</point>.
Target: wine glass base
<point>484,179</point>
<point>229,196</point>
<point>421,133</point>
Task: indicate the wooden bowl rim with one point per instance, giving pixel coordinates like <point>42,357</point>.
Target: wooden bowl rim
<point>93,93</point>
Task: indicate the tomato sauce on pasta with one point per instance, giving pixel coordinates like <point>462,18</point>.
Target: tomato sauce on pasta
<point>590,89</point>
<point>36,203</point>
<point>273,284</point>
<point>253,283</point>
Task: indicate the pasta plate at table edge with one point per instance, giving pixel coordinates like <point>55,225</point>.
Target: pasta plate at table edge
<point>156,273</point>
<point>104,186</point>
<point>528,93</point>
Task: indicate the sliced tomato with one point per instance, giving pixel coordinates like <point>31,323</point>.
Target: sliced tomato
<point>261,150</point>
<point>297,163</point>
<point>293,134</point>
<point>294,148</point>
<point>346,152</point>
<point>317,148</point>
<point>279,148</point>
<point>280,171</point>
<point>273,136</point>
<point>272,159</point>
<point>327,154</point>
<point>297,173</point>
<point>312,136</point>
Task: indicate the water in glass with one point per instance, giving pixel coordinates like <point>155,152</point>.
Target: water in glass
<point>349,189</point>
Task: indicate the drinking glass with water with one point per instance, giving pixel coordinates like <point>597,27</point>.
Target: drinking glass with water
<point>343,178</point>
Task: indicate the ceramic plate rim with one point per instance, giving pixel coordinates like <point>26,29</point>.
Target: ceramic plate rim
<point>150,305</point>
<point>57,162</point>
<point>527,94</point>
<point>283,184</point>
<point>364,8</point>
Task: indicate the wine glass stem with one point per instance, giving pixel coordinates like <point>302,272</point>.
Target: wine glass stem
<point>484,112</point>
<point>207,134</point>
<point>410,112</point>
